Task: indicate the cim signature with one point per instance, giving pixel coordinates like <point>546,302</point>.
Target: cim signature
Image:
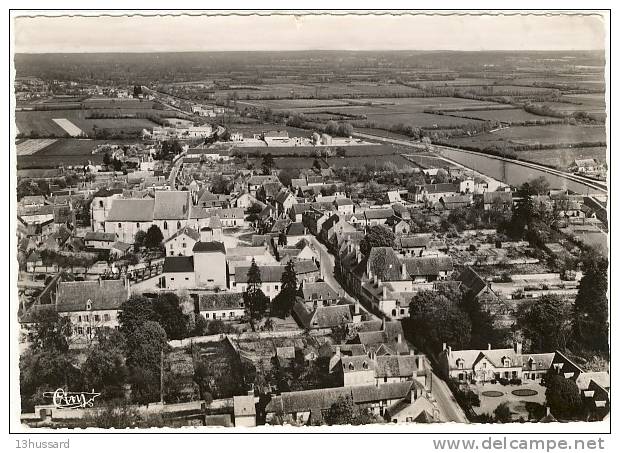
<point>72,400</point>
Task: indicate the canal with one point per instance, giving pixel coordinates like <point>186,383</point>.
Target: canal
<point>511,173</point>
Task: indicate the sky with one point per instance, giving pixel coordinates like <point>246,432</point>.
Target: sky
<point>304,32</point>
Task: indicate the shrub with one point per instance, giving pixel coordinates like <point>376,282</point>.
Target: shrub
<point>516,381</point>
<point>503,381</point>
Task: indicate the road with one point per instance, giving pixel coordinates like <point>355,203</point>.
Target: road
<point>327,262</point>
<point>449,408</point>
<point>597,185</point>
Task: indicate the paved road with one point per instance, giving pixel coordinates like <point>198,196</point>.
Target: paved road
<point>327,262</point>
<point>449,408</point>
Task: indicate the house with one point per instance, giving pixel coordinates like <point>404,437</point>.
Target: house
<point>182,242</point>
<point>482,365</point>
<point>232,217</point>
<point>478,288</point>
<point>398,225</point>
<point>257,181</point>
<point>271,276</point>
<point>178,273</point>
<point>120,249</point>
<point>319,293</point>
<point>322,317</point>
<point>99,240</point>
<point>413,245</point>
<point>335,224</point>
<point>127,216</point>
<point>344,206</point>
<point>205,267</point>
<point>584,166</point>
<point>297,210</point>
<point>90,305</point>
<point>244,410</point>
<point>392,196</point>
<point>497,200</point>
<point>413,408</point>
<point>284,201</point>
<point>223,306</point>
<point>246,201</point>
<point>171,211</point>
<point>313,220</point>
<point>308,406</point>
<point>431,193</point>
<point>206,199</point>
<point>377,216</point>
<point>456,201</point>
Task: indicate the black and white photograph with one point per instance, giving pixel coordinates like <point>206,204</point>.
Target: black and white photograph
<point>310,220</point>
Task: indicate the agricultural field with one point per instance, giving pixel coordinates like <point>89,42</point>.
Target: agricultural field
<point>562,158</point>
<point>66,151</point>
<point>42,122</point>
<point>296,90</point>
<point>505,115</point>
<point>29,147</point>
<point>556,134</point>
<point>421,120</point>
<point>429,161</point>
<point>361,161</point>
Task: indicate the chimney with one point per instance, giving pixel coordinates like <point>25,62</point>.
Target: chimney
<point>399,338</point>
<point>384,292</point>
<point>357,308</point>
<point>403,271</point>
<point>337,350</point>
<point>378,282</point>
<point>443,346</point>
<point>449,351</point>
<point>519,347</point>
<point>420,362</point>
<point>489,346</point>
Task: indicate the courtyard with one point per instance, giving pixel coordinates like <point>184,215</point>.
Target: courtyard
<point>521,399</point>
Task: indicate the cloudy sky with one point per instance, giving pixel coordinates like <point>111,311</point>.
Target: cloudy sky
<point>301,32</point>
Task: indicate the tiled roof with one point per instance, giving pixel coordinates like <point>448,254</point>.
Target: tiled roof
<point>171,205</point>
<point>318,290</point>
<point>178,264</point>
<point>382,213</point>
<point>273,273</point>
<point>428,265</point>
<point>131,210</point>
<point>502,197</point>
<point>384,263</point>
<point>396,366</point>
<point>99,236</point>
<point>351,364</point>
<point>296,229</point>
<point>231,213</point>
<point>472,280</point>
<point>188,231</point>
<point>103,294</point>
<point>209,247</point>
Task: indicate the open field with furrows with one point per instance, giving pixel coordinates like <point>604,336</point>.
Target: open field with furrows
<point>556,134</point>
<point>361,161</point>
<point>429,161</point>
<point>296,90</point>
<point>420,120</point>
<point>42,122</point>
<point>562,158</point>
<point>66,151</point>
<point>504,116</point>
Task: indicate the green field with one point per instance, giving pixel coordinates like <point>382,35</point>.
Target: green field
<point>556,134</point>
<point>504,115</point>
<point>562,158</point>
<point>42,124</point>
<point>362,161</point>
<point>66,151</point>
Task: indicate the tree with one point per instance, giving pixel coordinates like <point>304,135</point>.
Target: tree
<point>377,236</point>
<point>50,332</point>
<point>546,323</point>
<point>153,237</point>
<point>502,413</point>
<point>435,318</point>
<point>254,299</point>
<point>104,368</point>
<point>144,350</point>
<point>345,130</point>
<point>106,158</point>
<point>284,301</point>
<point>590,311</point>
<point>345,412</point>
<point>170,316</point>
<point>138,239</point>
<point>135,312</point>
<point>341,152</point>
<point>282,239</point>
<point>562,395</point>
<point>267,164</point>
